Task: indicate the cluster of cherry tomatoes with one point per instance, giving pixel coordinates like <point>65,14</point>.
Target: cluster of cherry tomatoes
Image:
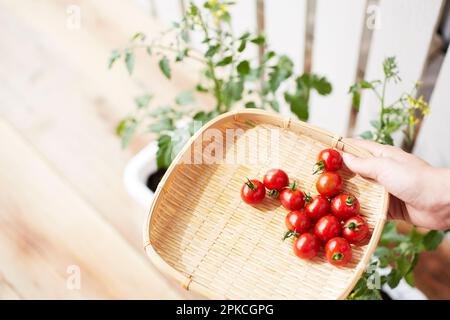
<point>330,218</point>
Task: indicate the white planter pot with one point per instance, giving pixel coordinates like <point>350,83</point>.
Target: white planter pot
<point>136,173</point>
<point>143,164</point>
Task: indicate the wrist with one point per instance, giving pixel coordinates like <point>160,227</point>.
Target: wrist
<point>439,178</point>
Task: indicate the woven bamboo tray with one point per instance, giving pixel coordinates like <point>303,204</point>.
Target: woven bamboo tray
<point>201,234</point>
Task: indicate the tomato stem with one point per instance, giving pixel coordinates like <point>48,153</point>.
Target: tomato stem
<point>274,193</point>
<point>293,185</point>
<point>308,197</point>
<point>349,201</point>
<point>318,167</point>
<point>250,184</point>
<point>290,233</point>
<point>337,256</point>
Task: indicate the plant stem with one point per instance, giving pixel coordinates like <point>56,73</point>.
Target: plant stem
<point>211,69</point>
<point>383,93</point>
<point>165,48</point>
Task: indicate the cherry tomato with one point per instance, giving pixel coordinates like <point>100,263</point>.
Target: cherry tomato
<point>253,191</point>
<point>327,227</point>
<point>297,222</point>
<point>355,229</point>
<point>275,180</point>
<point>338,251</point>
<point>317,207</point>
<point>329,184</point>
<point>307,246</point>
<point>345,206</point>
<point>328,160</point>
<point>292,198</point>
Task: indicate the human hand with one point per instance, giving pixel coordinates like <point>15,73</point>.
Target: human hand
<point>420,193</point>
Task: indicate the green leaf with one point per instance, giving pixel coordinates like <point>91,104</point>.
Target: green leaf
<point>394,278</point>
<point>142,101</point>
<point>193,9</point>
<point>383,254</point>
<point>164,124</point>
<point>275,105</point>
<point>138,36</point>
<point>416,238</point>
<point>242,45</point>
<point>182,54</point>
<point>366,135</point>
<point>403,265</point>
<point>390,234</point>
<point>268,55</point>
<point>356,100</point>
<point>280,72</point>
<point>432,239</point>
<point>250,105</point>
<point>160,111</point>
<point>259,40</point>
<point>299,105</point>
<point>184,34</point>
<point>200,88</point>
<point>366,85</point>
<point>232,92</point>
<point>165,67</point>
<point>376,124</point>
<point>164,153</point>
<point>409,278</point>
<point>322,86</point>
<point>212,50</point>
<point>184,98</point>
<point>243,68</point>
<point>115,55</point>
<point>245,36</point>
<point>225,61</point>
<point>149,50</point>
<point>125,130</point>
<point>129,61</point>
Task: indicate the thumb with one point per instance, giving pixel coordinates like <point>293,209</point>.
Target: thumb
<point>368,167</point>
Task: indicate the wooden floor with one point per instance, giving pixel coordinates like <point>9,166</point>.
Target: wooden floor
<point>62,200</point>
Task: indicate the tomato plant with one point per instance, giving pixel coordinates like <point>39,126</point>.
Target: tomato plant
<point>328,160</point>
<point>329,184</point>
<point>327,227</point>
<point>292,198</point>
<point>307,246</point>
<point>338,251</point>
<point>345,206</point>
<point>253,191</point>
<point>228,71</point>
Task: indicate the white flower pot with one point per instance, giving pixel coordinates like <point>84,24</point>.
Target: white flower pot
<point>138,169</point>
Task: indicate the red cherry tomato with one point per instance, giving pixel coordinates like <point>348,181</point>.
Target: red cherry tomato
<point>355,229</point>
<point>307,246</point>
<point>345,206</point>
<point>292,198</point>
<point>328,160</point>
<point>253,191</point>
<point>329,184</point>
<point>327,227</point>
<point>276,179</point>
<point>338,251</point>
<point>297,222</point>
<point>317,207</point>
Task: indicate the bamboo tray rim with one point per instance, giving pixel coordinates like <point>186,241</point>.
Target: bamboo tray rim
<point>185,280</point>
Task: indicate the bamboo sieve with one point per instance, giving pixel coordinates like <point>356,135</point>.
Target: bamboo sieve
<point>201,234</point>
